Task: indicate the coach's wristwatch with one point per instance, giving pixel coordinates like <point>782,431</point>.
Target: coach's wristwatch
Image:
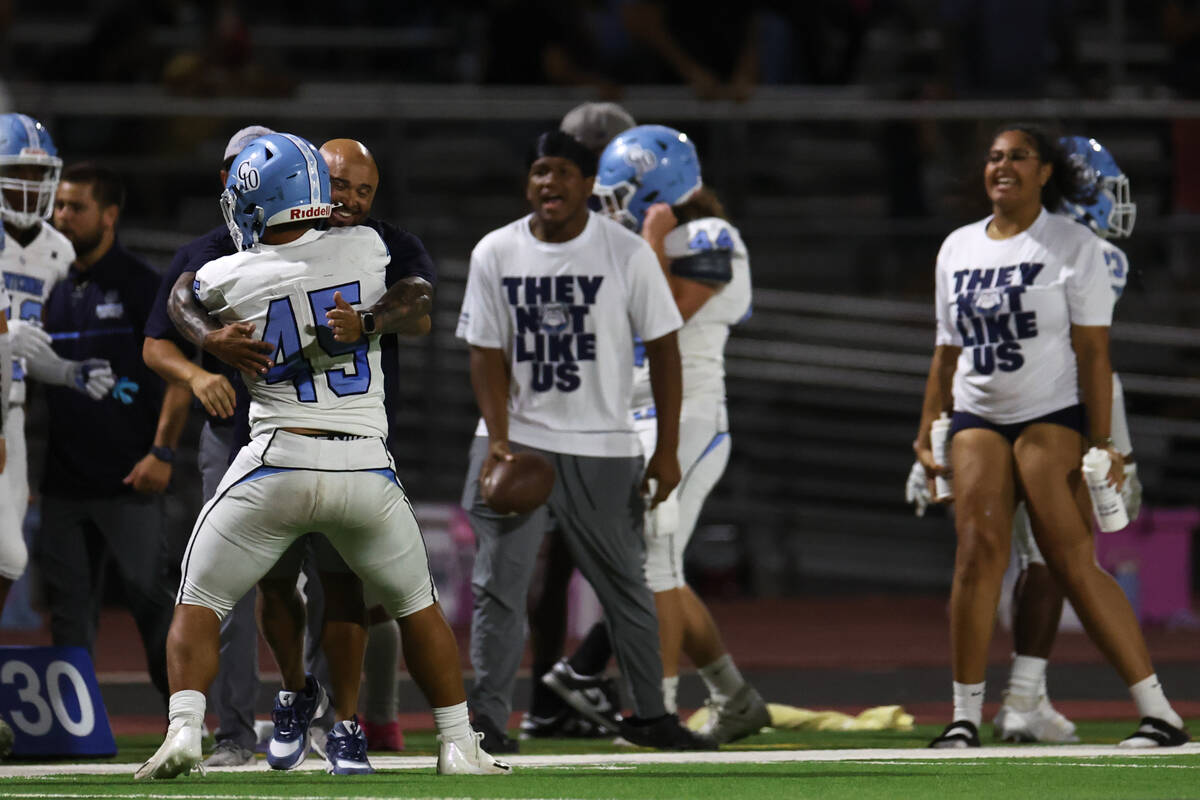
<point>367,318</point>
<point>163,453</point>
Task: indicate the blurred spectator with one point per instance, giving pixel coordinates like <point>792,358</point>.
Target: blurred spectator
<point>118,50</point>
<point>817,42</point>
<point>709,45</point>
<point>1006,48</point>
<point>1181,30</point>
<point>544,41</point>
<point>225,64</point>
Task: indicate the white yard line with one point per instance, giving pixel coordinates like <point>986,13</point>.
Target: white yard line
<point>602,760</point>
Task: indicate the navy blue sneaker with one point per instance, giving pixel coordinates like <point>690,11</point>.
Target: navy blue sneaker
<point>346,749</point>
<point>293,714</point>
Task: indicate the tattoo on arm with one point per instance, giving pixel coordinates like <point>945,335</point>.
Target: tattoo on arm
<point>185,311</point>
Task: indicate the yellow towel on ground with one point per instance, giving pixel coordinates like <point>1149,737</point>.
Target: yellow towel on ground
<point>879,718</point>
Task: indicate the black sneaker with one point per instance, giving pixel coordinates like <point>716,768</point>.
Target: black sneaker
<point>567,724</point>
<point>959,734</point>
<point>593,696</point>
<point>495,740</point>
<point>665,733</point>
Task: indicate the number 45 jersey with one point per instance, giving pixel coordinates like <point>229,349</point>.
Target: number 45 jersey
<point>285,291</point>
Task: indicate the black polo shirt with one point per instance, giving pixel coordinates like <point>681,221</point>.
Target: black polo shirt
<point>408,258</point>
<point>101,313</point>
<point>189,258</point>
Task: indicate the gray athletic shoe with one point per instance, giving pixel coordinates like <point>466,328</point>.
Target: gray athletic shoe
<point>742,715</point>
<point>229,753</point>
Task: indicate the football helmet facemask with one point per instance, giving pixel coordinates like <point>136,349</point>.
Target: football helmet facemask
<point>29,170</point>
<point>1111,214</point>
<point>642,166</point>
<point>276,179</point>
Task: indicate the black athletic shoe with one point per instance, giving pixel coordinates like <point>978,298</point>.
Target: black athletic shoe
<point>593,696</point>
<point>567,724</point>
<point>958,734</point>
<point>665,733</point>
<point>1155,732</point>
<point>495,740</point>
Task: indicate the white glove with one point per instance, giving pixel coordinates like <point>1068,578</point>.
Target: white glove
<point>1131,492</point>
<point>94,377</point>
<point>27,338</point>
<point>916,491</point>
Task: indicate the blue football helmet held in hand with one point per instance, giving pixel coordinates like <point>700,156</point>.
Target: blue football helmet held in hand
<point>1111,214</point>
<point>642,166</point>
<point>276,179</point>
<point>29,170</point>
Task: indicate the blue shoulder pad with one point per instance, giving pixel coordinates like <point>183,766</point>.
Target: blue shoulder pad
<point>711,266</point>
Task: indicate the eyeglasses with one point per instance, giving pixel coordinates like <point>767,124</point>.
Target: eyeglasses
<point>997,156</point>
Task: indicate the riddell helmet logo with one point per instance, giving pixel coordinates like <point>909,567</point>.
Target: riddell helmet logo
<point>311,212</point>
<point>33,151</point>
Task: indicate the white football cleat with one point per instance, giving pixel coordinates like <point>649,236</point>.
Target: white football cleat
<point>1021,720</point>
<point>179,754</point>
<point>467,757</point>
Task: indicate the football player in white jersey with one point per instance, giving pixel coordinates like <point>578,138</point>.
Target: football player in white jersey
<point>317,459</point>
<point>13,555</point>
<point>649,180</point>
<point>1027,714</point>
<point>1024,303</point>
<point>35,257</point>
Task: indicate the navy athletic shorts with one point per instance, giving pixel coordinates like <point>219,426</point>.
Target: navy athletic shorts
<point>1073,417</point>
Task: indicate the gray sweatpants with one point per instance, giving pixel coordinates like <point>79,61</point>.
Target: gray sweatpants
<point>235,691</point>
<point>596,505</point>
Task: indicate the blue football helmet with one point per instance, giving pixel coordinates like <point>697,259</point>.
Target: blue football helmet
<point>276,179</point>
<point>642,166</point>
<point>1111,214</point>
<point>29,170</point>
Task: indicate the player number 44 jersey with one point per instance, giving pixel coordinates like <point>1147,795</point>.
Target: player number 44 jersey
<point>29,275</point>
<point>709,250</point>
<point>285,291</point>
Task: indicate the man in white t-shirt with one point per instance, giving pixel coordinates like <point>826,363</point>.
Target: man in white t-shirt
<point>552,306</point>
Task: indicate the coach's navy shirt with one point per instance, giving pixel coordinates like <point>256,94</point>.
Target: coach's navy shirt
<point>408,258</point>
<point>189,258</point>
<point>101,312</point>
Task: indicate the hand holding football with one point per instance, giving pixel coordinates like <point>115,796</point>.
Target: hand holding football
<point>517,486</point>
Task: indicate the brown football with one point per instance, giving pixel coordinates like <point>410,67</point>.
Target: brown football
<point>518,486</point>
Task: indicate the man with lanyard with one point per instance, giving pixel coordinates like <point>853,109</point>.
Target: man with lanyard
<point>107,463</point>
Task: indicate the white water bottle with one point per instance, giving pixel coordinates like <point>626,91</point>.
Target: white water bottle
<point>939,436</point>
<point>1106,500</point>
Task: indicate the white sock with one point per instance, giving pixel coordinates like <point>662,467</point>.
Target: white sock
<point>1028,677</point>
<point>452,721</point>
<point>722,678</point>
<point>187,707</point>
<point>670,692</point>
<point>1152,702</point>
<point>968,702</point>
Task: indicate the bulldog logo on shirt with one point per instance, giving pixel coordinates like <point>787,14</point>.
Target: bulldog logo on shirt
<point>551,327</point>
<point>990,316</point>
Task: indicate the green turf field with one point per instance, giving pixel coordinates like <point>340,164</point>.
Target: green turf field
<point>781,764</point>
